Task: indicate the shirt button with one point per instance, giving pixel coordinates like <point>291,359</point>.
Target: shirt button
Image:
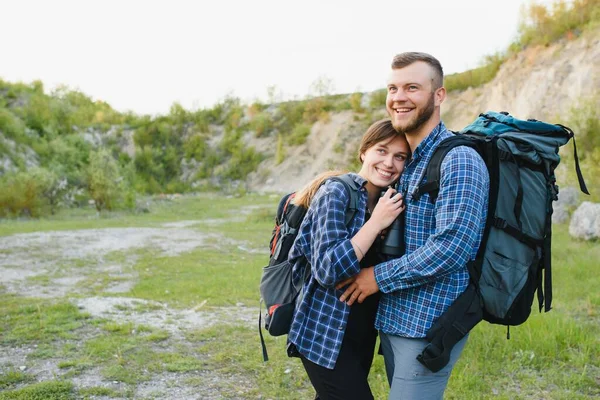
<point>341,328</point>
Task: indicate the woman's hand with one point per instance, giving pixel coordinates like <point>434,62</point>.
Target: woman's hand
<point>389,206</point>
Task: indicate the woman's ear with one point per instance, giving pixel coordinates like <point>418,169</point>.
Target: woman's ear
<point>361,157</point>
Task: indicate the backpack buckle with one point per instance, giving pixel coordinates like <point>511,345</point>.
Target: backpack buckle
<point>500,223</point>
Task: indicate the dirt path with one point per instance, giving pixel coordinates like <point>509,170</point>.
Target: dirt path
<point>53,265</point>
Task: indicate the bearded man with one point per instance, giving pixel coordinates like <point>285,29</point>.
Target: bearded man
<point>440,237</point>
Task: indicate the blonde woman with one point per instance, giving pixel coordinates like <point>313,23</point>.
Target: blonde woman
<point>336,341</point>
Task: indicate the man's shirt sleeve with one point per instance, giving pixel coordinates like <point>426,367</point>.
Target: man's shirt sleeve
<point>459,214</point>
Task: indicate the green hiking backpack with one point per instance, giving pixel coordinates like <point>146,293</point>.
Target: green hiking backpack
<point>514,259</point>
<point>277,290</point>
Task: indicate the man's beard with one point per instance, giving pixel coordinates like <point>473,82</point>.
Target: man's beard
<point>421,118</point>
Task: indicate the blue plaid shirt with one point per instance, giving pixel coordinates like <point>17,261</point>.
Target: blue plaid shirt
<point>324,240</point>
<point>440,238</point>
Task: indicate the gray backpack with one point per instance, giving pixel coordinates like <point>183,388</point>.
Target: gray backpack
<point>514,260</point>
<point>277,290</point>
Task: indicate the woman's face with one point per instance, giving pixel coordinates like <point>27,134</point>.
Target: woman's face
<point>384,162</point>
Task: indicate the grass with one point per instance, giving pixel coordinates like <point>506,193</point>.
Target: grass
<point>551,356</point>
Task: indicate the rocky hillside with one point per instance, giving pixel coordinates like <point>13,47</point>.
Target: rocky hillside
<point>544,83</point>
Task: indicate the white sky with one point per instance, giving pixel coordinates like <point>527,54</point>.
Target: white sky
<point>145,55</point>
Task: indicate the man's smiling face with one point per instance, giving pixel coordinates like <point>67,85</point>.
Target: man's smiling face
<point>411,97</point>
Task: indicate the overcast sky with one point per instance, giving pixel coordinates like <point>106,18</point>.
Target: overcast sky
<point>145,55</point>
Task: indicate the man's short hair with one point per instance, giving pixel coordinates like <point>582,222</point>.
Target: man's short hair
<point>405,59</point>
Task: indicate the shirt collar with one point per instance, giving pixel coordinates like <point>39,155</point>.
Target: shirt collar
<point>427,144</point>
<point>358,179</point>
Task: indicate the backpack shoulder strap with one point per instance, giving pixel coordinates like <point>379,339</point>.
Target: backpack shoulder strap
<point>352,189</point>
<point>282,207</point>
<point>433,171</point>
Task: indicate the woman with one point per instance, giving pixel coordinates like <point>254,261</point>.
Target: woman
<point>335,341</point>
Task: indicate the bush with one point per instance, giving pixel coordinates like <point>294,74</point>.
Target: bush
<point>105,184</point>
<point>542,25</point>
<point>11,126</point>
<point>261,124</point>
<point>195,147</point>
<point>280,152</point>
<point>356,102</point>
<point>377,98</point>
<point>316,109</point>
<point>584,120</point>
<point>477,76</point>
<point>22,195</point>
<point>299,134</point>
<point>51,187</point>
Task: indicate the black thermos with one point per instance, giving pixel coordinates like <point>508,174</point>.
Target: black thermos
<point>393,242</point>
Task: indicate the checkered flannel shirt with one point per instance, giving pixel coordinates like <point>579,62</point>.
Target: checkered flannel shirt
<point>324,240</point>
<point>440,238</point>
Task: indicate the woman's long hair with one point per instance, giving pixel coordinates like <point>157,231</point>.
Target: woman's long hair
<point>305,195</point>
<point>377,132</point>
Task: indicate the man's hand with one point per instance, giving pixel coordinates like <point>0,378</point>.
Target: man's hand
<point>359,287</point>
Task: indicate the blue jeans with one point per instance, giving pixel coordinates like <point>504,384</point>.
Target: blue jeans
<point>407,377</point>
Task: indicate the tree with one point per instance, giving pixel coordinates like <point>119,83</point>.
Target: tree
<point>104,181</point>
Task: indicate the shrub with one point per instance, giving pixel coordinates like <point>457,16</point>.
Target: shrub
<point>21,195</point>
<point>356,102</point>
<point>477,76</point>
<point>195,147</point>
<point>584,120</point>
<point>377,98</point>
<point>290,113</point>
<point>242,162</point>
<point>280,150</point>
<point>104,181</point>
<point>261,124</point>
<point>542,25</point>
<point>299,134</point>
<point>11,126</point>
<point>51,187</point>
<point>315,109</point>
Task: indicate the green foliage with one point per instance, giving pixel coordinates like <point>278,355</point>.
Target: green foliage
<point>50,186</point>
<point>289,114</point>
<point>377,99</point>
<point>23,194</point>
<point>12,377</point>
<point>195,147</point>
<point>262,124</point>
<point>541,24</point>
<point>316,109</point>
<point>356,102</point>
<point>477,76</point>
<point>280,150</point>
<point>103,180</point>
<point>11,126</point>
<point>66,155</point>
<point>299,134</point>
<point>243,161</point>
<point>51,390</point>
<point>584,119</point>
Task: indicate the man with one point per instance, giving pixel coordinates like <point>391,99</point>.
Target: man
<point>440,238</point>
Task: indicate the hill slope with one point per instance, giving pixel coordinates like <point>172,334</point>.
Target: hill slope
<point>544,83</point>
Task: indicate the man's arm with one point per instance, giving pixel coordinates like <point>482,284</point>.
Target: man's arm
<point>460,215</point>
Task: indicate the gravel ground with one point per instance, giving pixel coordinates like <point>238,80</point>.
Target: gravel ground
<point>57,256</point>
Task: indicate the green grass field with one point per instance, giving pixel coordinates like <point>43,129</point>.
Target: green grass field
<point>552,356</point>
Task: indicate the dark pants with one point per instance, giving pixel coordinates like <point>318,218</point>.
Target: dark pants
<point>348,380</point>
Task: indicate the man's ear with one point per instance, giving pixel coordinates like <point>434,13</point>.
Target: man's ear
<point>439,96</point>
<point>361,157</point>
